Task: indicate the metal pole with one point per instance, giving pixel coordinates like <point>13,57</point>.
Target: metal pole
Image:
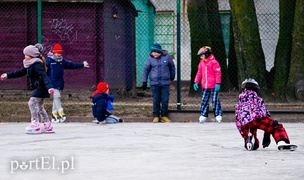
<point>39,19</point>
<point>178,53</point>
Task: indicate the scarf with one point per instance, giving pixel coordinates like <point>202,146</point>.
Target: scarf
<point>28,63</point>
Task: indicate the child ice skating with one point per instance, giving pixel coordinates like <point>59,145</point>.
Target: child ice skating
<point>55,69</point>
<point>251,114</point>
<point>34,68</point>
<point>209,77</point>
<point>101,103</point>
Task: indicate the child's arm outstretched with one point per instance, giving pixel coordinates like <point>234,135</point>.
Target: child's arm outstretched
<point>74,65</point>
<point>14,74</point>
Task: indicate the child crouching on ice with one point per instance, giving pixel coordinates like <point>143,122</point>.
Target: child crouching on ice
<point>101,103</point>
<point>251,114</point>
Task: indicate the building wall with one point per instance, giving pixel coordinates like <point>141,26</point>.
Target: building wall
<point>87,32</point>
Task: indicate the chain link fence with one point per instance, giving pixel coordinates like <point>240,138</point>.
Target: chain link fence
<point>115,38</point>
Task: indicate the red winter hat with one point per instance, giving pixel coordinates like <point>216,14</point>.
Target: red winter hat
<point>57,48</point>
<point>101,88</point>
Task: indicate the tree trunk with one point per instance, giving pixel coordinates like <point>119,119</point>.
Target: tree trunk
<point>217,41</point>
<point>232,57</point>
<point>251,59</point>
<point>199,33</point>
<point>296,73</point>
<point>205,30</point>
<point>283,50</point>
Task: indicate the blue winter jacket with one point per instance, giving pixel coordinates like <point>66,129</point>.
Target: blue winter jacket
<point>39,81</point>
<point>161,70</point>
<point>55,70</point>
<point>100,104</point>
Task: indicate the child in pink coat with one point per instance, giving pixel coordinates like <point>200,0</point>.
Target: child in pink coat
<point>209,77</point>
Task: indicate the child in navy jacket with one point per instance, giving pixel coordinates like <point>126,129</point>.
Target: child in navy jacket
<point>55,69</point>
<point>34,68</point>
<point>101,103</point>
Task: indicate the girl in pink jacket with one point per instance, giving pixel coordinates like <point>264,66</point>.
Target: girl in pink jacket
<point>209,77</point>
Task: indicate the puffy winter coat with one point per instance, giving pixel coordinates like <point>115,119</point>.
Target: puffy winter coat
<point>208,73</point>
<point>39,81</point>
<point>55,70</point>
<point>249,107</point>
<point>161,71</point>
<point>100,104</point>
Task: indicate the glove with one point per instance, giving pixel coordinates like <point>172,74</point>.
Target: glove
<point>266,140</point>
<point>51,91</point>
<point>217,87</point>
<point>144,86</point>
<point>3,76</point>
<point>195,87</point>
<point>86,64</point>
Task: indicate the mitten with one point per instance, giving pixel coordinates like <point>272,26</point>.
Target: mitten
<point>144,86</point>
<point>3,76</point>
<point>217,87</point>
<point>266,140</point>
<point>195,87</point>
<point>85,64</point>
<point>256,144</point>
<point>51,91</point>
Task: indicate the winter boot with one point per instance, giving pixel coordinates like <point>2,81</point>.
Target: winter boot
<point>156,120</point>
<point>165,119</point>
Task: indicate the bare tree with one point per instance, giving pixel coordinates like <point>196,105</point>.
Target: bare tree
<point>283,50</point>
<point>296,74</point>
<point>248,47</point>
<point>205,29</point>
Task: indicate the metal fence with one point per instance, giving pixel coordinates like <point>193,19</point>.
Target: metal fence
<point>115,37</point>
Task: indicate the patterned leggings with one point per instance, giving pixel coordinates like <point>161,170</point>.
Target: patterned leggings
<point>269,125</point>
<point>36,106</point>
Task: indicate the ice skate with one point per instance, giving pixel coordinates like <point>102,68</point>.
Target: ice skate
<point>218,119</point>
<point>95,121</point>
<point>46,127</point>
<point>55,117</point>
<point>202,119</point>
<point>33,128</point>
<point>251,143</point>
<point>62,116</point>
<point>282,145</point>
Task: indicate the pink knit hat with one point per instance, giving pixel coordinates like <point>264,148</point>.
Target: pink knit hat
<point>31,51</point>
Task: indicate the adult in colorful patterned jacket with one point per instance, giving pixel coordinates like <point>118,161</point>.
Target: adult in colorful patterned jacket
<point>161,71</point>
<point>251,114</point>
<point>209,77</point>
<point>55,69</point>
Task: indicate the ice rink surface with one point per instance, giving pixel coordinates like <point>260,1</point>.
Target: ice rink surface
<point>145,151</point>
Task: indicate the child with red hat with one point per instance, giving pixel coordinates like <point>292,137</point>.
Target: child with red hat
<point>55,69</point>
<point>101,103</point>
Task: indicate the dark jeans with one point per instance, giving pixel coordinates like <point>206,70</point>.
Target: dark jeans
<point>160,95</point>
